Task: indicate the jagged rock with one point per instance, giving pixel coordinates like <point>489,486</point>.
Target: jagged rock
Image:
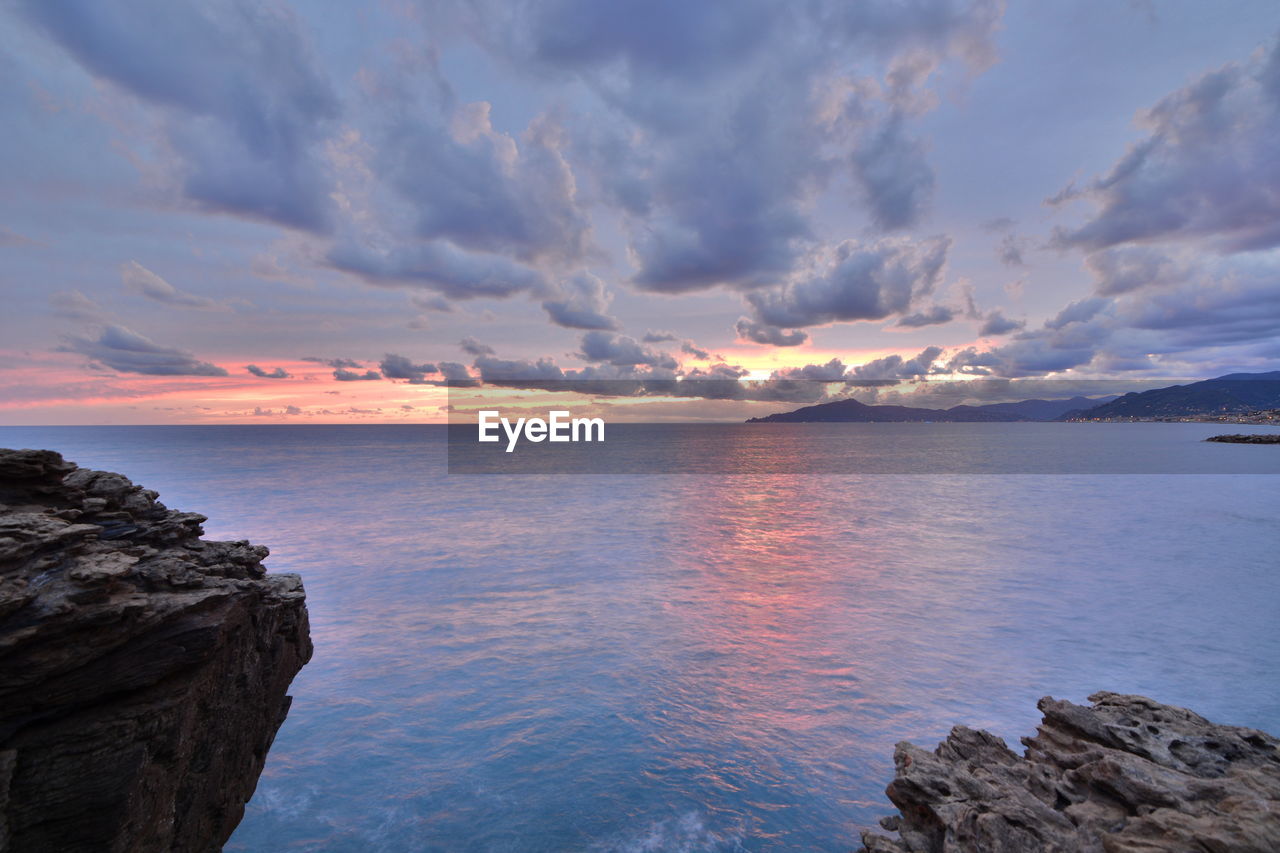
<point>143,671</point>
<point>1128,775</point>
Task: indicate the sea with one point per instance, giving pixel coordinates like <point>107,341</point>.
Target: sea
<point>717,658</point>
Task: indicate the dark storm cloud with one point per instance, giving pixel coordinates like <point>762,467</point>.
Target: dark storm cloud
<point>127,351</point>
<point>344,375</point>
<point>856,282</point>
<point>763,333</point>
<point>932,316</point>
<point>622,351</point>
<point>1206,170</point>
<point>582,304</point>
<point>277,373</point>
<point>399,367</point>
<point>244,102</point>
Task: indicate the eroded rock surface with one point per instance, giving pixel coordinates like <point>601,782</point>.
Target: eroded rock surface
<point>1128,775</point>
<point>143,670</point>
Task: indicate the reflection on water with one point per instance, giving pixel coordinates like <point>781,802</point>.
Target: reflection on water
<point>694,662</point>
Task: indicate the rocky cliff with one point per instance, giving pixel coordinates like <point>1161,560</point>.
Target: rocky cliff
<point>143,670</point>
<point>1127,775</point>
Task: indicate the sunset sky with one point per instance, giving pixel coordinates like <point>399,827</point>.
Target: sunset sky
<point>312,211</point>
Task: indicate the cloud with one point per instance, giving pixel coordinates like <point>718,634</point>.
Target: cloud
<point>398,367</point>
<point>896,367</point>
<point>1207,169</point>
<point>1218,302</point>
<point>622,351</point>
<point>454,373</point>
<point>652,337</point>
<point>832,371</point>
<point>1010,251</point>
<point>688,348</point>
<point>1123,269</point>
<point>243,103</point>
<point>277,373</point>
<point>582,304</point>
<point>725,121</point>
<point>473,347</point>
<point>763,333</point>
<point>344,375</point>
<point>432,303</point>
<point>141,280</point>
<point>479,188</point>
<point>74,305</point>
<point>333,362</point>
<point>127,351</point>
<point>440,266</point>
<point>931,316</point>
<point>995,323</point>
<point>1080,311</point>
<point>494,369</point>
<point>292,410</point>
<point>856,282</point>
<point>1000,223</point>
<point>12,239</point>
<point>894,174</point>
<point>1217,309</point>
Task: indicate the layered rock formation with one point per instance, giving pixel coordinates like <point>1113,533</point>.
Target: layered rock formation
<point>1127,775</point>
<point>143,670</point>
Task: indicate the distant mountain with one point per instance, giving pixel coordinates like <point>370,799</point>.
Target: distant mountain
<point>1036,410</point>
<point>1234,393</point>
<point>852,411</point>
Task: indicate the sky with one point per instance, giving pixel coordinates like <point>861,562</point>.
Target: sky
<point>242,212</point>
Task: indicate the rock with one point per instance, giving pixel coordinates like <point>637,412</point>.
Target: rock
<point>143,671</point>
<point>1128,775</point>
<point>1250,438</point>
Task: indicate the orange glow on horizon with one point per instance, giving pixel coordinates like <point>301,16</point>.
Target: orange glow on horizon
<point>60,388</point>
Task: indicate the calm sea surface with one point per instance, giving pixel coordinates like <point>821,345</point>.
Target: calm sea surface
<point>706,661</point>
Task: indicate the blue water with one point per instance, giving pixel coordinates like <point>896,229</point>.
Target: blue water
<point>699,662</point>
